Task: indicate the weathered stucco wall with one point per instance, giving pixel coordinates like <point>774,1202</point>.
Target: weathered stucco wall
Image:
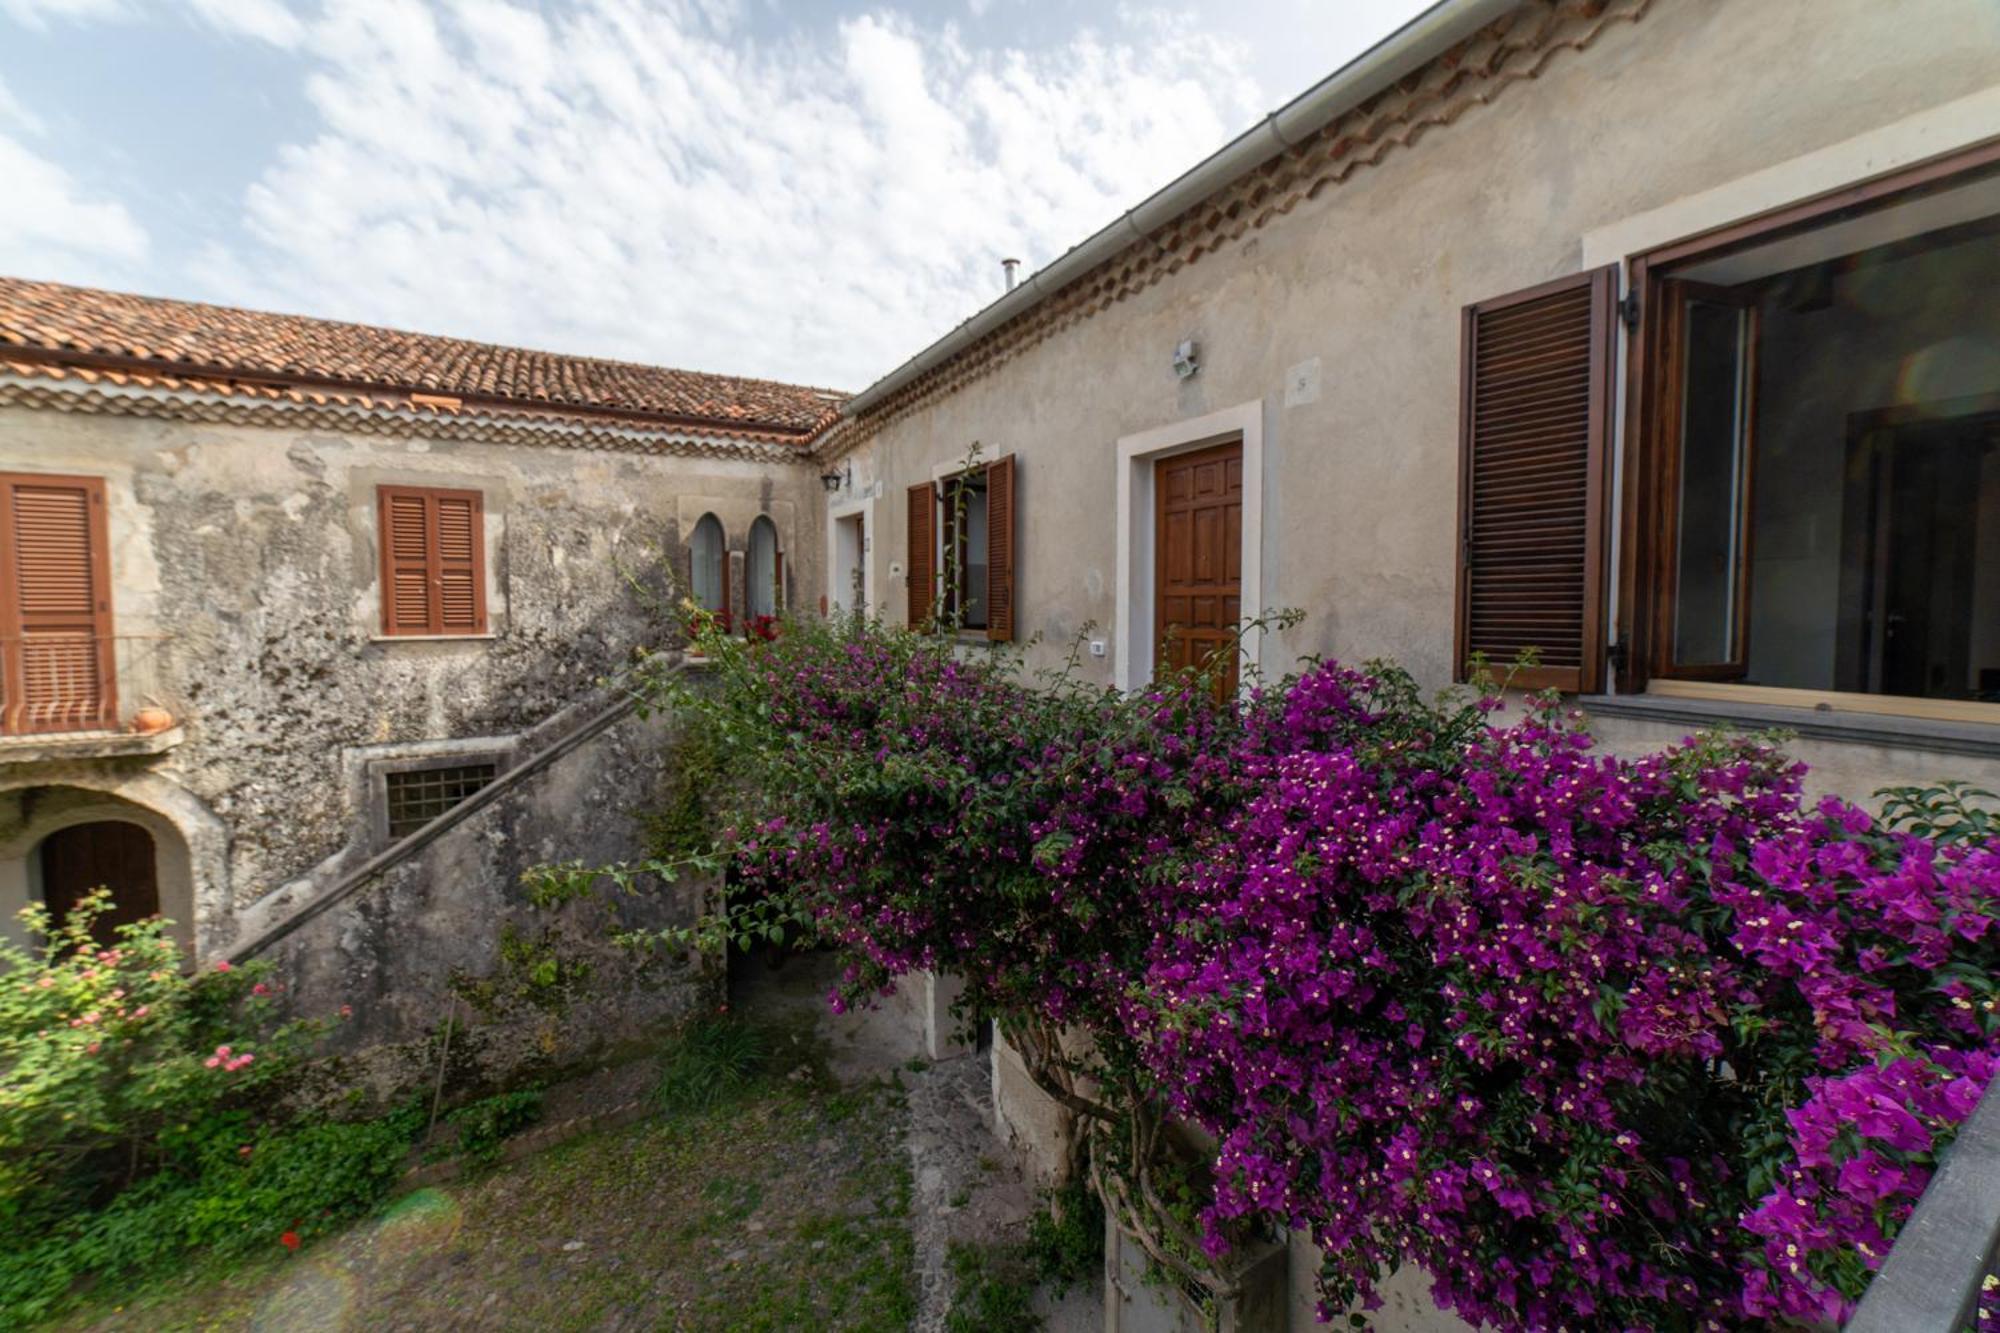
<point>253,552</point>
<point>1340,320</point>
<point>404,951</point>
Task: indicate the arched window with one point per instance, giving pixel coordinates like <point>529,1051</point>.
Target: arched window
<point>763,570</point>
<point>708,562</point>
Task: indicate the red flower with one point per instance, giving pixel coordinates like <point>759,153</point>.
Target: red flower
<point>290,1240</point>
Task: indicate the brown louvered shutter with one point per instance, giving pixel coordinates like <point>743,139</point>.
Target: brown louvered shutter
<point>461,603</point>
<point>433,561</point>
<point>1534,433</point>
<point>55,605</point>
<point>923,552</point>
<point>1000,550</point>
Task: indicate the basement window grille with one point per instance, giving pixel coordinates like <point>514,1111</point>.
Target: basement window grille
<point>421,795</point>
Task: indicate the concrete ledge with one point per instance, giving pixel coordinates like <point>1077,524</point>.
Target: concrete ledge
<point>1881,730</point>
<point>60,746</point>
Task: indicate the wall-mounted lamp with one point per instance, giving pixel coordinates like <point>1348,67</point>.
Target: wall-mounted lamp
<point>1187,359</point>
<point>833,481</point>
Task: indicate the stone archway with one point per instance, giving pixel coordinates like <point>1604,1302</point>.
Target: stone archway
<point>95,836</point>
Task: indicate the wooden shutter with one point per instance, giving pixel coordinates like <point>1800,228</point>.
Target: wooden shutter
<point>1000,550</point>
<point>55,605</point>
<point>1534,441</point>
<point>433,561</point>
<point>460,591</point>
<point>923,552</point>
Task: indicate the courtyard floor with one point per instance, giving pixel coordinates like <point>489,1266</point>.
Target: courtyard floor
<point>831,1195</point>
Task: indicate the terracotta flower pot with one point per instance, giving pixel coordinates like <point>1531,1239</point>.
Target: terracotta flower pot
<point>151,720</point>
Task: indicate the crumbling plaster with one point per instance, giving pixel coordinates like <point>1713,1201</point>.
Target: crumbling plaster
<point>253,551</point>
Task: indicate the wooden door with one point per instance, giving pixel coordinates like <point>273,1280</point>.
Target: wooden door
<point>1198,559</point>
<point>109,854</point>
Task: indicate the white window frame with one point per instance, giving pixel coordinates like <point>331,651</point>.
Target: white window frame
<point>1133,631</point>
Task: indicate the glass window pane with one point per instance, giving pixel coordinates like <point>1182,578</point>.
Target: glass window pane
<point>1708,559</point>
<point>705,558</point>
<point>761,569</point>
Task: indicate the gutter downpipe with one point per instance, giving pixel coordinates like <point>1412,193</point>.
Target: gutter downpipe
<point>1425,37</point>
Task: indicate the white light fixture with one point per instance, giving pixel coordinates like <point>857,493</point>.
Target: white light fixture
<point>1187,359</point>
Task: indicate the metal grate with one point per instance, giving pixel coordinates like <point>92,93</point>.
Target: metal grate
<point>419,796</point>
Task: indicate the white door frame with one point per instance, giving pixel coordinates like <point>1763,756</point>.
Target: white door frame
<point>1133,633</point>
<point>834,513</point>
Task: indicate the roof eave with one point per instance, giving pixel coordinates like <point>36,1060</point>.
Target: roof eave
<point>1415,44</point>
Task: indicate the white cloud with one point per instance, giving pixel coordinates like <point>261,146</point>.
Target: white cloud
<point>48,225</point>
<point>645,180</point>
<point>12,109</point>
<point>37,13</point>
<point>265,20</point>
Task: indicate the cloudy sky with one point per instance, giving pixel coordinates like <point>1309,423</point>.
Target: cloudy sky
<point>805,189</point>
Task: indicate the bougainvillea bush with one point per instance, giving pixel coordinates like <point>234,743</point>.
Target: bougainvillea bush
<point>1597,1042</point>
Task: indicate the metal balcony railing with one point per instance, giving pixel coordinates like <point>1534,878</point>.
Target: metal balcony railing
<point>72,680</point>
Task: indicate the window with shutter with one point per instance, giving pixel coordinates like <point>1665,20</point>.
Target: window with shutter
<point>923,552</point>
<point>1000,550</point>
<point>55,605</point>
<point>1534,466</point>
<point>433,561</point>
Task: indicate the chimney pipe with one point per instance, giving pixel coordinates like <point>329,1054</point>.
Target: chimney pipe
<point>1012,266</point>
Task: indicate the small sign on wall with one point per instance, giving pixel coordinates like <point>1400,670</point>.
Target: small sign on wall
<point>1302,383</point>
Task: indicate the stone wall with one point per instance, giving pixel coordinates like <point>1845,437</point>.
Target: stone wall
<point>249,556</point>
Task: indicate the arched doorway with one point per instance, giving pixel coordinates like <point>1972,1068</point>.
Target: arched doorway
<point>105,853</point>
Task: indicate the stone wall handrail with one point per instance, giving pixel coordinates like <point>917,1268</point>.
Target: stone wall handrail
<point>1932,1279</point>
<point>537,756</point>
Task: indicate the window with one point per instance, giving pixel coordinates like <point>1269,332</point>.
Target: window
<point>965,534</point>
<point>961,533</point>
<point>708,565</point>
<point>1820,465</point>
<point>417,796</point>
<point>1811,496</point>
<point>763,570</point>
<point>433,561</point>
<point>56,651</point>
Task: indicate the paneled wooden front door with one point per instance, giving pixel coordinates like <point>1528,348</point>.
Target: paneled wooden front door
<point>1198,553</point>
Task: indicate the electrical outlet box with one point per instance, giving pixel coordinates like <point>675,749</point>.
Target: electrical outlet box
<point>1097,647</point>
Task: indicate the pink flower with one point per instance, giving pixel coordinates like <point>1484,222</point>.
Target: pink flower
<point>212,1061</point>
<point>222,965</point>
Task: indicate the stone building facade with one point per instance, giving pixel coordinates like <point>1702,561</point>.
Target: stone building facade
<point>252,723</point>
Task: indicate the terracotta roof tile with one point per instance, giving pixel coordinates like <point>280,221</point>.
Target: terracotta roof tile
<point>83,327</point>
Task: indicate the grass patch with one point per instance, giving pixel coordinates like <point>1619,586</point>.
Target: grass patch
<point>715,1061</point>
<point>757,1211</point>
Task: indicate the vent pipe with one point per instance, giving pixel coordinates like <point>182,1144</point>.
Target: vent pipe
<point>1013,267</point>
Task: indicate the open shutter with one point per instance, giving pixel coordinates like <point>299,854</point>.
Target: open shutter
<point>461,585</point>
<point>1534,433</point>
<point>1000,550</point>
<point>59,670</point>
<point>923,552</point>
